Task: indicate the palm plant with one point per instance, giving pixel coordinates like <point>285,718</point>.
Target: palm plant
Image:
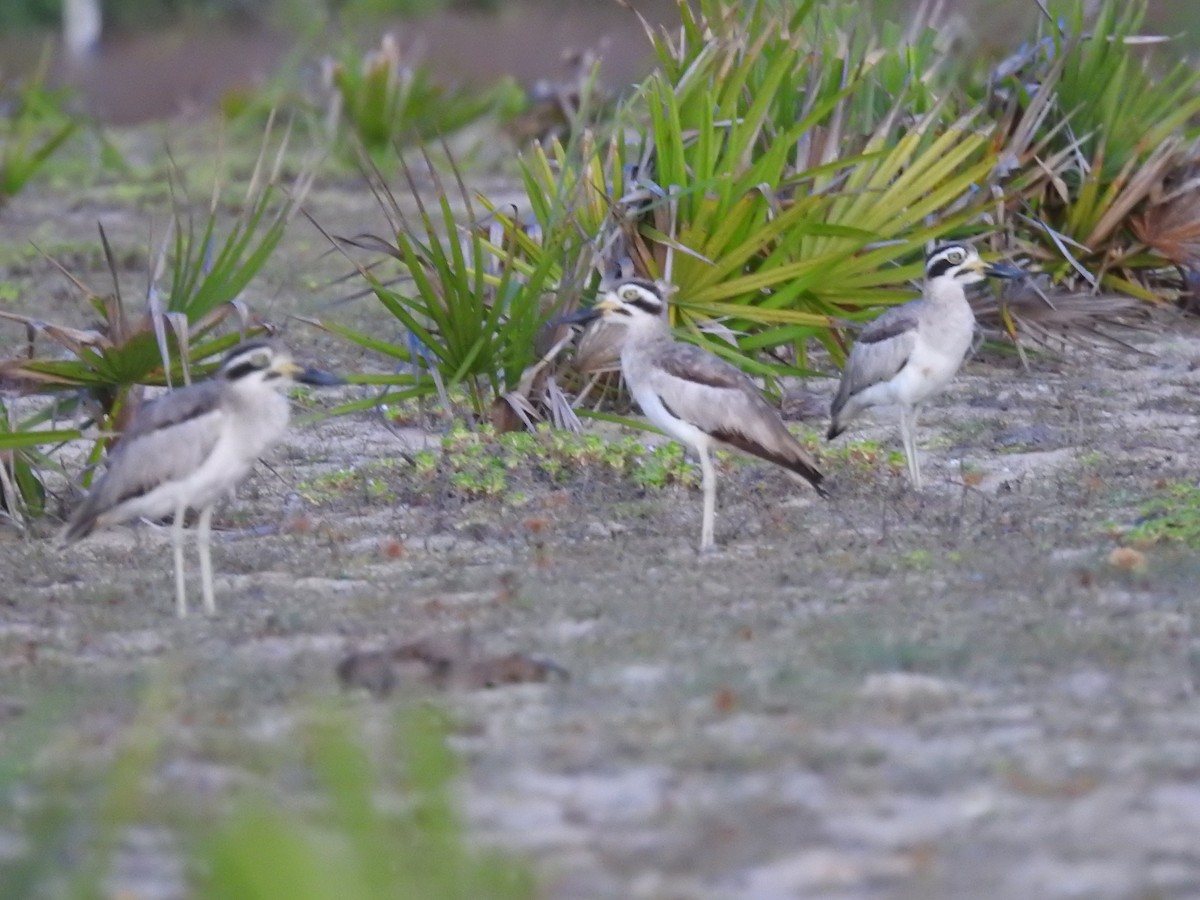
<point>22,493</point>
<point>1102,143</point>
<point>785,168</point>
<point>479,287</point>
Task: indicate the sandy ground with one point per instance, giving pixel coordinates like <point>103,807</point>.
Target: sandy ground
<point>883,695</point>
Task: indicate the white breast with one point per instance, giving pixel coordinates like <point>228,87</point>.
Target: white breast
<point>654,410</point>
<point>636,366</point>
<point>942,343</point>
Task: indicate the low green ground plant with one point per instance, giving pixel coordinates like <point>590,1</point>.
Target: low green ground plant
<point>480,463</point>
<point>1171,516</point>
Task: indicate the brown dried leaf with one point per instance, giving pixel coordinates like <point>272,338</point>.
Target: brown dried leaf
<point>442,663</point>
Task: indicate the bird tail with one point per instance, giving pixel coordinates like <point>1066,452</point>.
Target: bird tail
<point>783,452</point>
<point>838,422</point>
<point>80,525</point>
<point>809,473</point>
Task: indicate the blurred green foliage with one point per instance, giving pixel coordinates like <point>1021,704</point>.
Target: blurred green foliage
<point>387,97</point>
<point>142,14</point>
<point>370,823</point>
<point>34,124</point>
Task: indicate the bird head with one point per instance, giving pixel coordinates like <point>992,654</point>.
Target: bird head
<point>267,362</point>
<point>635,303</point>
<point>962,264</point>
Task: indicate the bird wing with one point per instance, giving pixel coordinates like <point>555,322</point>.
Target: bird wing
<point>882,349</point>
<point>173,408</point>
<point>719,399</point>
<point>701,388</point>
<point>169,438</point>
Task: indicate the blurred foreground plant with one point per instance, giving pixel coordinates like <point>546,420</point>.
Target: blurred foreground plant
<point>387,101</point>
<point>370,826</point>
<point>348,846</point>
<point>34,124</point>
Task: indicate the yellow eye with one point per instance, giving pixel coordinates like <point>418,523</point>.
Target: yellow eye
<point>629,294</point>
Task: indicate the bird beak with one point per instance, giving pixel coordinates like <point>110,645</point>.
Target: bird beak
<point>309,376</point>
<point>587,314</point>
<point>1000,270</point>
<point>319,378</point>
<point>580,316</point>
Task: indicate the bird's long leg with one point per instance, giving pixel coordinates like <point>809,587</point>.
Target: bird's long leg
<point>914,454</point>
<point>203,534</point>
<point>177,545</point>
<point>710,499</point>
<point>908,434</point>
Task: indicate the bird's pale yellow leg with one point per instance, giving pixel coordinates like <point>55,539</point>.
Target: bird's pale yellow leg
<point>908,434</point>
<point>177,546</point>
<point>709,477</point>
<point>203,535</point>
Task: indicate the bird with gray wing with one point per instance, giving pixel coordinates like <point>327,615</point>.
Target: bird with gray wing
<point>912,351</point>
<point>695,397</point>
<point>188,448</point>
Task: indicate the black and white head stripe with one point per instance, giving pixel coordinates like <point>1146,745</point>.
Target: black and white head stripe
<point>244,359</point>
<point>640,293</point>
<point>946,257</point>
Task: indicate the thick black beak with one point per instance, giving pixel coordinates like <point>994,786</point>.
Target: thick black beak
<point>319,378</point>
<point>579,317</point>
<point>1000,270</point>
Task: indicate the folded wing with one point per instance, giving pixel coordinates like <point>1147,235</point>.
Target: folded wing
<point>168,440</point>
<point>717,397</point>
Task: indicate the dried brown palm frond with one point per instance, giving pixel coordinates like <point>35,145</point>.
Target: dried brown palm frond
<point>1170,223</point>
<point>1031,314</point>
<point>1100,151</point>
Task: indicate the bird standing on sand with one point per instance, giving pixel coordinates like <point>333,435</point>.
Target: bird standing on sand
<point>695,397</point>
<point>913,350</point>
<point>189,447</point>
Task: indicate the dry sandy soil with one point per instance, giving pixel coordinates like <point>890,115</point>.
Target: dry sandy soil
<point>883,695</point>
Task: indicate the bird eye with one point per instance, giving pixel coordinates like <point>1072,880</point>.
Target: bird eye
<point>261,360</point>
<point>956,256</point>
<point>629,294</point>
